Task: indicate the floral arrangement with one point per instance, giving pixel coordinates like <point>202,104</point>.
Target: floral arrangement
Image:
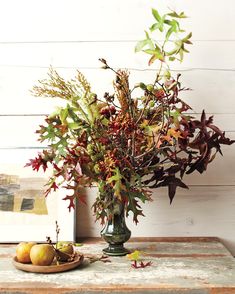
<point>126,141</point>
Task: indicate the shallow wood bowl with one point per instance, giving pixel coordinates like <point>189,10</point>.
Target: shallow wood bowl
<point>53,268</point>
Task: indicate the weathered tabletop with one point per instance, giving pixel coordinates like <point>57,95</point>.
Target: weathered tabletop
<point>180,265</point>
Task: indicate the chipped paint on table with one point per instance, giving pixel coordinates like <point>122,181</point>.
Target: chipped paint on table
<point>200,266</point>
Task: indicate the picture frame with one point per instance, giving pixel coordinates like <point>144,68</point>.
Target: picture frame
<point>25,213</point>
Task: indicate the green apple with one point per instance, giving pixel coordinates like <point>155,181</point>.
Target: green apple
<point>64,251</point>
<point>66,248</point>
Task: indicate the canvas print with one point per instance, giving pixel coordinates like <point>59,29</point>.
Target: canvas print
<point>25,213</point>
<point>22,194</point>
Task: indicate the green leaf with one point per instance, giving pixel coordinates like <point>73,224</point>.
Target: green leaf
<point>176,15</point>
<point>175,27</point>
<point>152,59</point>
<point>160,21</point>
<point>188,42</point>
<point>156,50</point>
<point>149,51</point>
<point>167,74</point>
<point>172,52</point>
<point>181,52</point>
<point>156,56</point>
<point>154,27</point>
<point>61,151</point>
<point>147,35</point>
<point>168,22</point>
<point>73,126</point>
<point>151,44</point>
<point>169,32</point>
<point>141,44</point>
<point>77,244</point>
<point>133,204</point>
<point>63,115</point>
<point>149,41</point>
<point>116,180</point>
<point>156,15</point>
<point>161,27</point>
<point>55,113</point>
<point>185,39</point>
<point>185,50</point>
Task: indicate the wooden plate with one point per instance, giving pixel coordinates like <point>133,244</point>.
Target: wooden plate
<point>53,268</point>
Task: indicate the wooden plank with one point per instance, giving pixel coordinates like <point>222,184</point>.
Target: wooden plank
<point>174,246</point>
<point>94,240</point>
<point>116,19</point>
<point>199,211</point>
<point>27,136</point>
<point>220,172</point>
<point>203,54</point>
<point>209,91</point>
<point>20,131</point>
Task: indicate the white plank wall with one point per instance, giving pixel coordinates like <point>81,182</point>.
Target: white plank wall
<point>73,34</point>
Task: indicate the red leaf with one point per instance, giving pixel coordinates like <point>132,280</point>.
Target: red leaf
<point>71,202</point>
<point>36,163</point>
<point>172,183</point>
<point>203,117</point>
<point>141,264</point>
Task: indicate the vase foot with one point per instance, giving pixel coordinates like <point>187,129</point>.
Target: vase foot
<point>116,250</point>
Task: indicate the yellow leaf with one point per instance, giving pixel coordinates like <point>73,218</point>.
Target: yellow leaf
<point>173,133</point>
<point>134,256</point>
<point>156,128</point>
<point>167,138</point>
<point>145,123</point>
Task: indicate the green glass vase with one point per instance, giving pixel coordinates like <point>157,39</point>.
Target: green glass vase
<point>115,232</point>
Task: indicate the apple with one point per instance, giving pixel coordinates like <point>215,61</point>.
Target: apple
<point>42,254</point>
<point>64,251</point>
<point>23,251</point>
<point>66,248</point>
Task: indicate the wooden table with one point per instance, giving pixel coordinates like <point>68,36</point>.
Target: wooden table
<point>180,265</point>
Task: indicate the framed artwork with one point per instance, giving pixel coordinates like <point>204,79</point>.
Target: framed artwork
<point>25,213</point>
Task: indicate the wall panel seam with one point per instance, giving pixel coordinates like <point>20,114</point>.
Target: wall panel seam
<point>128,68</point>
<point>99,41</point>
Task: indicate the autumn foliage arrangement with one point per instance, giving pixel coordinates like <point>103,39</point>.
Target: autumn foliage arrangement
<point>131,140</point>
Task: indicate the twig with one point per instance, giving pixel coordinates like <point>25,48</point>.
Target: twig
<point>57,233</point>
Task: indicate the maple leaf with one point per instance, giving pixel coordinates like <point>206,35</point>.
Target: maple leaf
<point>134,255</point>
<point>225,141</point>
<point>172,182</point>
<point>37,162</point>
<point>133,205</point>
<point>167,138</point>
<point>157,176</point>
<point>116,181</point>
<point>136,258</point>
<point>71,201</point>
<point>53,186</point>
<point>76,191</point>
<point>78,168</point>
<point>174,133</point>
